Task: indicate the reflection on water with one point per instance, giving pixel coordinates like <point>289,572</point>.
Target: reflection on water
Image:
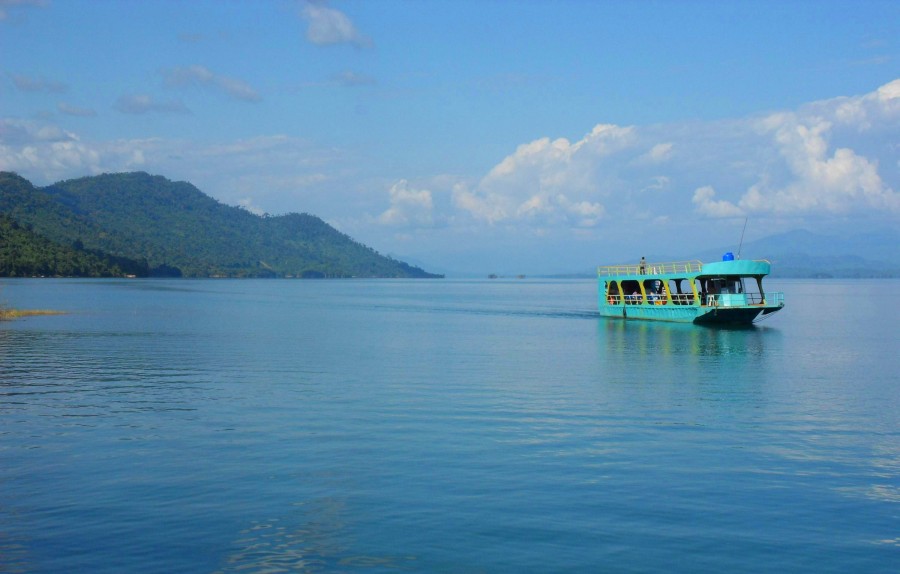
<point>275,426</point>
<point>722,361</point>
<point>89,375</point>
<point>14,553</point>
<point>651,340</point>
<point>311,538</point>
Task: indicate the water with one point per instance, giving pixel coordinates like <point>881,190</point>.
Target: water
<point>442,426</point>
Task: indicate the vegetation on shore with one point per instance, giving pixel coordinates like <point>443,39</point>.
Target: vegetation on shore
<point>10,314</point>
<point>142,225</point>
<point>26,254</point>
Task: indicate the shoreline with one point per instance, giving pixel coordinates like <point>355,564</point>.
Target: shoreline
<point>11,314</point>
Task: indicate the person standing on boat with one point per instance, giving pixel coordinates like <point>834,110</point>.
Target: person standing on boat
<point>643,266</point>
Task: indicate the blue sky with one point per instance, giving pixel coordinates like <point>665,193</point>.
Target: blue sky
<point>476,136</point>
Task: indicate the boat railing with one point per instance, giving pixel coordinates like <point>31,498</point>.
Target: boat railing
<point>741,299</point>
<point>712,300</point>
<point>651,268</point>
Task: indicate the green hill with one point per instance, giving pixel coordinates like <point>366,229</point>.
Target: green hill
<point>141,222</point>
<point>24,254</point>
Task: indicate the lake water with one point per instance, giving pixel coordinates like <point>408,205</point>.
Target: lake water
<point>443,426</point>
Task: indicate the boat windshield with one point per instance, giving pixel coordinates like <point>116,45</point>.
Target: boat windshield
<point>718,285</point>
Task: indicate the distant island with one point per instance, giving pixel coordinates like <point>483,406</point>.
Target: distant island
<point>140,225</point>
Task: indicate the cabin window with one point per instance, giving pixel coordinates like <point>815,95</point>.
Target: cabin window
<point>715,286</point>
<point>680,290</point>
<point>719,285</point>
<point>733,285</point>
<point>613,295</point>
<point>656,291</point>
<point>631,290</point>
<point>753,290</point>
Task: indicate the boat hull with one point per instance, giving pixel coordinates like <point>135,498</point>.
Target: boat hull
<point>688,314</point>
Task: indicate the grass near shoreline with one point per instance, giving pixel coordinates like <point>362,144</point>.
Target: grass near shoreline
<point>10,314</point>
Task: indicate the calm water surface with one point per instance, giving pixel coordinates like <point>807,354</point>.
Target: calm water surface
<point>443,426</point>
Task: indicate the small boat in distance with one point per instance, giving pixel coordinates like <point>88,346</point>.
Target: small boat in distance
<point>727,292</point>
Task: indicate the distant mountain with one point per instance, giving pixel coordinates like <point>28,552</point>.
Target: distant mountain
<point>800,253</point>
<point>148,224</point>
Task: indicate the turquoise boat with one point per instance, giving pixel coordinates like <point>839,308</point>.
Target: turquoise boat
<point>727,292</point>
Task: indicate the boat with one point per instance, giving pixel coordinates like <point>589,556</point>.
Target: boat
<point>727,292</point>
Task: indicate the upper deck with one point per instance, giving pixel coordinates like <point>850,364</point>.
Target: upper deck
<point>736,267</point>
<point>669,268</point>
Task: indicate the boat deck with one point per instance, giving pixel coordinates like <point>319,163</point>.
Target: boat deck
<point>668,268</point>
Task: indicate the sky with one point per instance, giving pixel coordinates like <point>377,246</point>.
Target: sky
<point>490,136</point>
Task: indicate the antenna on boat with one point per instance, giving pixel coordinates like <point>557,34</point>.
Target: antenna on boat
<point>741,244</point>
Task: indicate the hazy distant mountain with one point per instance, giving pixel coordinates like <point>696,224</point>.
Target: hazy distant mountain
<point>173,229</point>
<point>801,253</point>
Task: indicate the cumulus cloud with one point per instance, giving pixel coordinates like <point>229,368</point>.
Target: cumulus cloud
<point>837,157</point>
<point>825,158</point>
<point>548,180</point>
<point>660,152</point>
<point>485,206</point>
<point>327,26</point>
<point>199,76</point>
<point>824,176</point>
<point>861,113</point>
<point>703,199</point>
<point>51,153</point>
<point>586,213</point>
<point>143,104</point>
<point>408,205</point>
<point>23,133</point>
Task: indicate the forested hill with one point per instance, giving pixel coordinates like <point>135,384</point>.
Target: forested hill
<point>140,224</point>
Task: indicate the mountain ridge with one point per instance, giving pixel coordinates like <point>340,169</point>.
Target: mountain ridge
<point>174,229</point>
<point>802,253</point>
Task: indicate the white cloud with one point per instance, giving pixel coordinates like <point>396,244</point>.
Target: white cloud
<point>660,152</point>
<point>550,181</point>
<point>658,183</point>
<point>826,161</point>
<point>484,206</point>
<point>408,206</point>
<point>199,76</point>
<point>327,26</point>
<point>861,113</point>
<point>703,199</point>
<point>823,159</point>
<point>824,177</point>
<point>29,148</point>
<point>588,214</point>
